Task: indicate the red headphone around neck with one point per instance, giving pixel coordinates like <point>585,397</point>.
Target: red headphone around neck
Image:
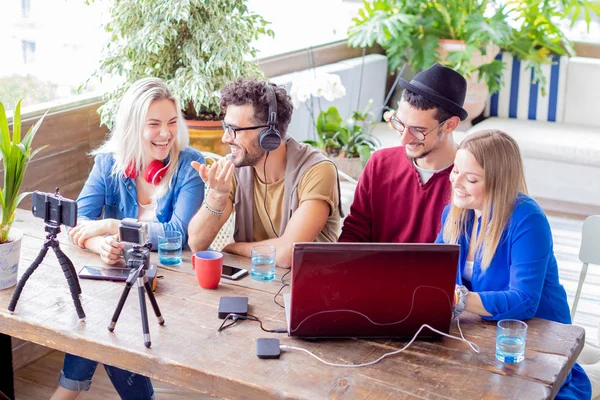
<point>153,173</point>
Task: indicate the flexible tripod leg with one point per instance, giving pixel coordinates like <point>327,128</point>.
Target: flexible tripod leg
<point>71,275</point>
<point>161,320</point>
<point>36,263</point>
<point>130,279</point>
<point>143,311</point>
<point>62,258</point>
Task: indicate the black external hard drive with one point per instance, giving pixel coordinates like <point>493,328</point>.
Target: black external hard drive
<point>233,305</point>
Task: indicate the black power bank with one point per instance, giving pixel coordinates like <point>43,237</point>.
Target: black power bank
<point>267,348</point>
<point>233,305</point>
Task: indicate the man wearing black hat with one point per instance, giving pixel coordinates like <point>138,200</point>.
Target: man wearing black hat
<point>403,190</point>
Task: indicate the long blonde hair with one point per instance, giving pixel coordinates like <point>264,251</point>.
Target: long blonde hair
<point>125,140</point>
<point>499,156</point>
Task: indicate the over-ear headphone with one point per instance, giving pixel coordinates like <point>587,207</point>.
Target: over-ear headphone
<point>153,173</point>
<point>270,138</point>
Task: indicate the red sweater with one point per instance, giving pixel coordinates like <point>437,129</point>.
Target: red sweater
<point>392,205</point>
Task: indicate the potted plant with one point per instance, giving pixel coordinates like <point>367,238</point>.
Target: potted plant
<point>195,46</point>
<point>348,142</point>
<point>16,154</point>
<point>466,35</point>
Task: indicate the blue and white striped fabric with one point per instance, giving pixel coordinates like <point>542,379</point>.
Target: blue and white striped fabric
<point>520,98</point>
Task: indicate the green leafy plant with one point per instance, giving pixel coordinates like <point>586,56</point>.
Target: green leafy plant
<point>537,33</point>
<point>345,138</point>
<point>409,31</point>
<point>196,46</point>
<point>16,154</point>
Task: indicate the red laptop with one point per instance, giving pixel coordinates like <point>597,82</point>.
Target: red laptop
<point>385,290</point>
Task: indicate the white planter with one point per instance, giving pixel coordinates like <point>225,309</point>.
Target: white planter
<point>10,253</point>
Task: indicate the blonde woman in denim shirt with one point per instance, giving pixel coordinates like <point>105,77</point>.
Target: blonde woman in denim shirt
<point>148,127</point>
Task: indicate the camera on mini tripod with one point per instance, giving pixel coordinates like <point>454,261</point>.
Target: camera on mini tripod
<point>139,256</point>
<point>55,210</point>
<point>133,231</point>
<point>134,235</point>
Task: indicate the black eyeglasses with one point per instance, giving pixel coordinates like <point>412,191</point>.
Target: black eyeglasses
<point>416,133</point>
<point>231,131</point>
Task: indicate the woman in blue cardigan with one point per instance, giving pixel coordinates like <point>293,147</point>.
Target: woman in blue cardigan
<point>507,267</point>
<point>143,171</point>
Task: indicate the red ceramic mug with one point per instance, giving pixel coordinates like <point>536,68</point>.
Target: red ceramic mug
<point>208,266</point>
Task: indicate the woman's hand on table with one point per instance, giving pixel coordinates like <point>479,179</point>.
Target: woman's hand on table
<point>86,229</point>
<point>110,250</point>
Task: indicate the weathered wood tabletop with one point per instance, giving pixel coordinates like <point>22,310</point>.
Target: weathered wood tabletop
<point>188,350</point>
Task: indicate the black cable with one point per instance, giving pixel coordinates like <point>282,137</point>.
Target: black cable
<point>236,317</point>
<point>277,294</point>
<point>362,70</point>
<point>390,93</point>
<point>281,288</point>
<point>286,274</point>
<point>253,318</point>
<point>265,202</point>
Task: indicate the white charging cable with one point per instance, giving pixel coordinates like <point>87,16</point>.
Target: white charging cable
<point>473,346</point>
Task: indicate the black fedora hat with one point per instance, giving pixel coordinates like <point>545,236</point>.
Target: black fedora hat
<point>441,85</point>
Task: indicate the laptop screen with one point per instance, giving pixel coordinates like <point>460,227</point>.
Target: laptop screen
<point>371,290</point>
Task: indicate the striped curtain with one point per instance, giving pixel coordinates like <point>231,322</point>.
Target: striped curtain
<point>521,98</point>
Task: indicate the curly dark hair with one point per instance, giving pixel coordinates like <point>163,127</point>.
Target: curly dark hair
<point>421,103</point>
<point>252,91</point>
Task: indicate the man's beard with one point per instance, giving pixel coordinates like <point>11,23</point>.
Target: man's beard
<point>428,152</point>
<point>251,157</point>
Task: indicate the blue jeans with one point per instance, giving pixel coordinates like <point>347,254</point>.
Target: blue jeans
<point>77,375</point>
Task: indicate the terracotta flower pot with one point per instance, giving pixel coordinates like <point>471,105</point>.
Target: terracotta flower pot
<point>477,92</point>
<point>206,136</point>
<point>10,252</point>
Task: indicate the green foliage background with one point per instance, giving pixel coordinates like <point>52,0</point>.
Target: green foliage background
<point>196,46</point>
<point>16,154</point>
<point>409,31</point>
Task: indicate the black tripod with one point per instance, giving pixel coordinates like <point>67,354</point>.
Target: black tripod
<point>139,261</point>
<point>52,230</point>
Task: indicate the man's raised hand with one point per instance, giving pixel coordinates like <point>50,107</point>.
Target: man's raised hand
<point>216,177</point>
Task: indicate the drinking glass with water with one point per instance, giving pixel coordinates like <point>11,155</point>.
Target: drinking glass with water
<point>169,248</point>
<point>511,335</point>
<point>263,262</point>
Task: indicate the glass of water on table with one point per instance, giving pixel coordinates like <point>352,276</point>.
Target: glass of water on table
<point>169,248</point>
<point>511,336</point>
<point>263,262</point>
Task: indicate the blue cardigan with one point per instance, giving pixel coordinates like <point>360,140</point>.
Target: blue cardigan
<point>105,196</point>
<point>522,281</point>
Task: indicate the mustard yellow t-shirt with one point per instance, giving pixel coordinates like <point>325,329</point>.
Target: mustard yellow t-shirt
<point>319,182</point>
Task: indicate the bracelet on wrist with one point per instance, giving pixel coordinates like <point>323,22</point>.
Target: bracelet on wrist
<point>212,210</point>
<point>462,293</point>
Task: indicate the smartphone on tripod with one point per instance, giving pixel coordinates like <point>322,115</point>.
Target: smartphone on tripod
<point>53,208</point>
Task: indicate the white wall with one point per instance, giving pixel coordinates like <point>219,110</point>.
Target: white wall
<point>373,87</point>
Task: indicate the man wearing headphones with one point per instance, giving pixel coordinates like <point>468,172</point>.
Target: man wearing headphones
<point>282,191</point>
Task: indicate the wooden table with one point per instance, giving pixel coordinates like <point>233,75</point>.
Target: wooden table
<point>188,350</point>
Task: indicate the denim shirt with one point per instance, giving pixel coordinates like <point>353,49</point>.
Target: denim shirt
<point>106,196</point>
